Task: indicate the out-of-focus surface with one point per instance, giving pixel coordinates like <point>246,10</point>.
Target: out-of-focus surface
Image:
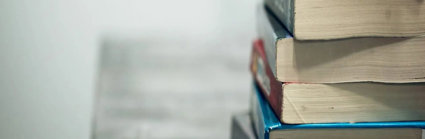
<point>47,69</point>
<point>146,92</point>
<point>169,69</point>
<point>177,84</point>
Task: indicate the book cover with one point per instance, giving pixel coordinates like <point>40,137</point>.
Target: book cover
<point>242,127</point>
<point>263,75</point>
<point>265,121</point>
<point>330,19</point>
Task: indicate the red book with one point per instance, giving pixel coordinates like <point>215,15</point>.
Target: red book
<point>260,68</point>
<point>299,103</point>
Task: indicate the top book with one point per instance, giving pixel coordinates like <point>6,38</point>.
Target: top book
<point>336,19</point>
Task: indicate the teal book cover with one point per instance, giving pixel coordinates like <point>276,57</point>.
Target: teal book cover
<point>265,121</point>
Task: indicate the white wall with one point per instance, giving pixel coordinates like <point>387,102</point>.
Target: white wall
<point>48,52</point>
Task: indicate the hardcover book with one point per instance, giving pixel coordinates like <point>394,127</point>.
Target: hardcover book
<point>267,126</point>
<point>335,19</point>
<point>242,127</point>
<point>296,102</point>
<point>388,60</point>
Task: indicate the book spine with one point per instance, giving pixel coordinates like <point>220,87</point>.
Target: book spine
<point>271,88</point>
<point>284,10</point>
<point>242,127</point>
<point>257,114</point>
<point>267,34</point>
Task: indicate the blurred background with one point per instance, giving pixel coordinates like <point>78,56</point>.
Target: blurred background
<point>123,69</point>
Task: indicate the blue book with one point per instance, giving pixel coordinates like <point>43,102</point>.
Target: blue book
<point>267,126</point>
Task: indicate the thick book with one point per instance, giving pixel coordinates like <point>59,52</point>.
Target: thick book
<point>390,60</point>
<point>242,127</point>
<point>296,102</point>
<point>267,126</point>
<point>335,19</point>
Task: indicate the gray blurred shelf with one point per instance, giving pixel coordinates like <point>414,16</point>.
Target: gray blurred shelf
<point>170,89</point>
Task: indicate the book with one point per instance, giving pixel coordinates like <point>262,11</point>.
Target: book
<point>297,103</point>
<point>389,60</point>
<point>267,126</point>
<point>331,19</point>
<point>242,127</point>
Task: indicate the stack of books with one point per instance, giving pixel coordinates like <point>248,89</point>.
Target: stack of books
<point>339,69</point>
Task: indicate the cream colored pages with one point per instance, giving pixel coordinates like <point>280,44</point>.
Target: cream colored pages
<point>332,19</point>
<point>390,60</point>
